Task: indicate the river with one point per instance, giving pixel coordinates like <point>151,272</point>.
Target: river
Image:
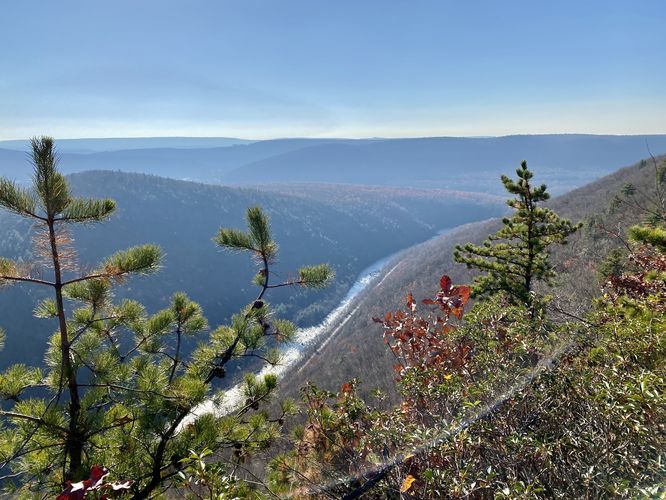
<point>305,340</point>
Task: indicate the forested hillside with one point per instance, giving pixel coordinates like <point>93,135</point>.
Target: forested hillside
<point>530,392</point>
<point>183,217</point>
<point>358,350</point>
<point>357,250</point>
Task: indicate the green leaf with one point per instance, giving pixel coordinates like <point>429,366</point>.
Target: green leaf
<point>234,239</point>
<point>8,268</point>
<point>143,259</point>
<point>15,199</point>
<point>160,323</point>
<point>258,239</point>
<point>16,379</point>
<point>92,291</point>
<point>260,231</point>
<point>284,330</point>
<point>654,236</point>
<point>188,314</point>
<point>46,309</point>
<point>88,210</point>
<point>51,185</point>
<point>317,276</point>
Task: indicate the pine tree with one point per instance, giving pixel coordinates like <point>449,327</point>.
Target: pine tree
<point>651,204</point>
<point>51,206</point>
<point>517,256</point>
<point>118,389</point>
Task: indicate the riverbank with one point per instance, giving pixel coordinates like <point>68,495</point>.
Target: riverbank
<point>308,341</point>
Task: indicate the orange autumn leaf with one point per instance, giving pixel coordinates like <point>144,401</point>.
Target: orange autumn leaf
<point>407,483</point>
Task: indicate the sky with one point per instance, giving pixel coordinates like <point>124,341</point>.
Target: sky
<point>337,68</point>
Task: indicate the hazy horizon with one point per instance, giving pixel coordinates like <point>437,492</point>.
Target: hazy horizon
<point>342,138</point>
<point>265,70</point>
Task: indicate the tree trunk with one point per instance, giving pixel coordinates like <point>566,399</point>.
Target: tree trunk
<point>75,440</point>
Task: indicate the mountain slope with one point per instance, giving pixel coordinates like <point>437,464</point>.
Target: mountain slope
<point>357,349</point>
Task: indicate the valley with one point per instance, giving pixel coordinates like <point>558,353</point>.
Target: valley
<point>332,250</point>
<point>182,217</point>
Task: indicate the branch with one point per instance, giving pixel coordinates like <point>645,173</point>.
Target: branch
<point>27,280</point>
<point>30,418</point>
<point>23,452</point>
<point>119,423</point>
<point>286,283</point>
<point>129,389</point>
<point>88,324</point>
<point>228,353</point>
<point>253,402</point>
<point>89,277</point>
<point>254,355</point>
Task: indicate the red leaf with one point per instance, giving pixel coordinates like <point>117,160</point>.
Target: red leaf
<point>463,292</point>
<point>98,472</point>
<point>445,283</point>
<point>77,491</point>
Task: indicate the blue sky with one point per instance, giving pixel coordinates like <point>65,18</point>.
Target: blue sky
<point>358,68</point>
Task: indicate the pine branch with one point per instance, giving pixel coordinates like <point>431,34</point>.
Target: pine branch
<point>144,259</point>
<point>18,200</point>
<point>36,420</point>
<point>87,210</point>
<point>26,280</point>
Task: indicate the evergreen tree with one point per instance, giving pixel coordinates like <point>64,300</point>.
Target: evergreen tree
<point>51,206</point>
<point>517,256</point>
<point>118,389</point>
<point>651,205</point>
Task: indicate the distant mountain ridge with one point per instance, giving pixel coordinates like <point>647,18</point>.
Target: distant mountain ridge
<point>470,164</point>
<point>208,164</point>
<point>564,161</point>
<point>96,145</point>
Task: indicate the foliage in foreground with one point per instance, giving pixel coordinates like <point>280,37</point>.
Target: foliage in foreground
<point>507,403</point>
<point>499,402</point>
<point>520,416</point>
<point>118,388</point>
